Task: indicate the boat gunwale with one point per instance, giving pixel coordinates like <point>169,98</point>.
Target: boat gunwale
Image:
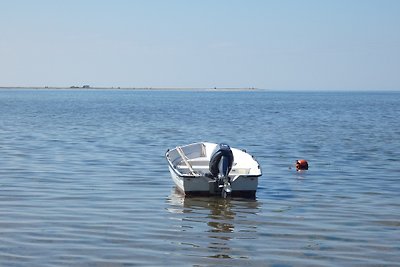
<point>179,174</point>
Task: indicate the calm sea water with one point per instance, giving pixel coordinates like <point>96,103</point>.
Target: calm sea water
<point>84,182</point>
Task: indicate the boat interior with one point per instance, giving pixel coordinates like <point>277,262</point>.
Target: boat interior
<point>194,160</point>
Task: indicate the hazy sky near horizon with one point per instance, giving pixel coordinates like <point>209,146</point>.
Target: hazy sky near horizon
<point>279,45</point>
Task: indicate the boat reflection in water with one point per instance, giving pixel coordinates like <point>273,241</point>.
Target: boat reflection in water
<point>214,227</point>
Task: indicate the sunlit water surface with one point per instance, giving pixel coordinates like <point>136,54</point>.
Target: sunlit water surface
<point>84,182</point>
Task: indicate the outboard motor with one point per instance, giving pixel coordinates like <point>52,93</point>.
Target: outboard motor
<point>221,162</point>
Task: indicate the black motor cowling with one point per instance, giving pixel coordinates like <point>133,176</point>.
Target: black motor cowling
<point>221,161</point>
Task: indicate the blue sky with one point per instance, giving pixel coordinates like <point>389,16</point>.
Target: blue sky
<point>278,45</point>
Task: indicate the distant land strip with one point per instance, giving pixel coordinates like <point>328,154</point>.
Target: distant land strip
<point>135,88</point>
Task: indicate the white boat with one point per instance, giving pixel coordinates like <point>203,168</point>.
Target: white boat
<point>213,169</point>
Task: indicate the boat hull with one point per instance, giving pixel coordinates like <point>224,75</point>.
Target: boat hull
<point>204,185</point>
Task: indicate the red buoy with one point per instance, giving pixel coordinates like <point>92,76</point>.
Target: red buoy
<point>301,164</point>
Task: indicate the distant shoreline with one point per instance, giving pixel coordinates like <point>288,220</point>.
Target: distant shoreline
<point>132,88</point>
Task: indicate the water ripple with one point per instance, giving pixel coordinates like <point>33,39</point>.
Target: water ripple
<point>83,181</point>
